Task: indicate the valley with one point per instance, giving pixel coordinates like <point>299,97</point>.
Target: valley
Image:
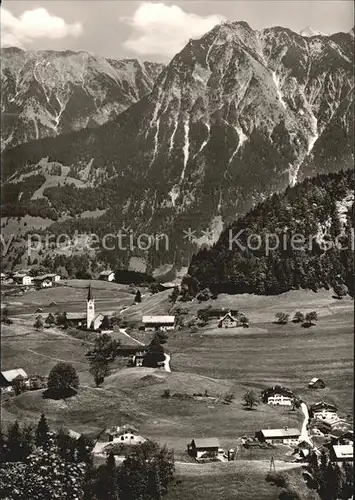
<point>203,360</point>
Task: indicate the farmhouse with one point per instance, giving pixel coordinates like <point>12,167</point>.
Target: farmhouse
<point>138,358</point>
<point>44,281</point>
<point>215,313</point>
<point>316,383</point>
<point>228,321</point>
<point>118,430</point>
<point>7,378</point>
<point>341,437</point>
<point>324,411</point>
<point>277,395</point>
<point>22,279</point>
<point>151,323</point>
<point>107,276</point>
<point>3,277</point>
<point>199,447</point>
<point>76,319</point>
<point>342,453</point>
<point>285,436</point>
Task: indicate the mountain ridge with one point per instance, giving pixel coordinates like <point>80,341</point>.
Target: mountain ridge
<point>234,117</point>
<point>47,92</point>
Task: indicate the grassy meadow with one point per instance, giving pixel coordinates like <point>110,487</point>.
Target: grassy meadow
<point>211,361</point>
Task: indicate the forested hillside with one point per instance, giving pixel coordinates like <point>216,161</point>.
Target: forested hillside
<point>313,223</point>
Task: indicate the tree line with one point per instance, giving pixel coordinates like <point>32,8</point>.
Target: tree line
<point>311,209</point>
<point>38,463</point>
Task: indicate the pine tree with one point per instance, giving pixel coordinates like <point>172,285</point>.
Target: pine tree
<point>14,442</point>
<point>348,482</point>
<point>108,481</point>
<point>3,447</point>
<point>42,432</point>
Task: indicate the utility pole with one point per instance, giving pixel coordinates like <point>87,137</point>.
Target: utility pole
<point>272,464</point>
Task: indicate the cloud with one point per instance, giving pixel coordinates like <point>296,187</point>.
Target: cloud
<point>33,24</point>
<point>165,29</point>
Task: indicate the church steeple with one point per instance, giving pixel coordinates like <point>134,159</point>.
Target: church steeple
<point>90,308</point>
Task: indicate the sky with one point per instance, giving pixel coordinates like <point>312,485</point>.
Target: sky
<point>153,30</point>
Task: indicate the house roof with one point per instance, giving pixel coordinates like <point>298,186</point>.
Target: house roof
<point>74,434</point>
<point>280,433</point>
<point>158,319</point>
<point>98,316</point>
<point>277,389</point>
<point>343,451</point>
<point>76,315</point>
<point>20,275</point>
<point>315,380</point>
<point>323,405</point>
<point>206,443</point>
<point>106,273</point>
<point>10,375</point>
<point>339,433</point>
<point>230,315</point>
<point>44,277</point>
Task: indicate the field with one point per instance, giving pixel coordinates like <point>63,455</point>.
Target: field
<point>210,360</point>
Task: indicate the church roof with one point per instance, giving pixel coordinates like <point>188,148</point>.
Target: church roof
<point>90,296</point>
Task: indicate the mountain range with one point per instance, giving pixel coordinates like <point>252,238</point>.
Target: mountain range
<point>235,116</point>
<point>47,93</point>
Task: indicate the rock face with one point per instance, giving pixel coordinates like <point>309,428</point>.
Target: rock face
<point>47,93</point>
<point>235,116</point>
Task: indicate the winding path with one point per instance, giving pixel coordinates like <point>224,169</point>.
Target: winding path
<point>167,363</point>
<point>123,331</point>
<point>304,432</point>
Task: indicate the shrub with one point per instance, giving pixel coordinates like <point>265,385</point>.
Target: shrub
<point>298,317</point>
<point>62,380</point>
<point>282,318</point>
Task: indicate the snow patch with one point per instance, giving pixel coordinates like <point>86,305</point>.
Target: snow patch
<point>186,148</point>
<point>204,143</point>
<point>155,141</point>
<point>314,136</point>
<point>242,138</point>
<point>171,145</point>
<point>276,80</point>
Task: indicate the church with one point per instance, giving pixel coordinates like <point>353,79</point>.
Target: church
<point>90,320</point>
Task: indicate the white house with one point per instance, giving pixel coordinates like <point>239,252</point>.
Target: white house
<point>153,322</point>
<point>22,279</point>
<point>277,395</point>
<point>128,438</point>
<point>138,359</point>
<point>324,411</point>
<point>44,281</point>
<point>228,321</point>
<point>8,377</point>
<point>107,276</point>
<point>285,436</point>
<point>206,446</point>
<point>54,277</point>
